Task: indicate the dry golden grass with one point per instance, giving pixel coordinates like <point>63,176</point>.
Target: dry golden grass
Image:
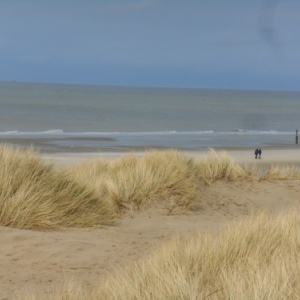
<point>281,173</point>
<point>219,166</point>
<point>159,177</point>
<point>37,195</point>
<point>70,290</point>
<point>129,182</point>
<point>255,259</point>
<point>34,195</point>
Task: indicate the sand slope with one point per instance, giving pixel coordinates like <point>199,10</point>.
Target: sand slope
<point>43,260</point>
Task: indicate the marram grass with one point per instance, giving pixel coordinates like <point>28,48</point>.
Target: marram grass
<point>35,195</point>
<point>130,182</point>
<point>257,258</point>
<point>280,173</point>
<point>254,259</point>
<point>219,166</point>
<point>166,178</point>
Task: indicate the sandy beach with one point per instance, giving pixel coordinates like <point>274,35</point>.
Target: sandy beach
<point>43,261</point>
<point>270,156</point>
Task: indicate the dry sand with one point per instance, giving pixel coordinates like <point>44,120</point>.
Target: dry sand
<point>288,156</point>
<point>44,260</point>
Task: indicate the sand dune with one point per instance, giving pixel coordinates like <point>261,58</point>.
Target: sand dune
<point>44,260</point>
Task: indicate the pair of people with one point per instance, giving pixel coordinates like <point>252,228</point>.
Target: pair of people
<point>257,153</point>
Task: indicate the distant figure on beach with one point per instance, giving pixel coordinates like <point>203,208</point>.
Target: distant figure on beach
<point>259,153</point>
<point>256,153</point>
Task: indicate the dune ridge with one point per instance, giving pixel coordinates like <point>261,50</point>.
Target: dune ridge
<point>161,217</point>
<point>36,195</point>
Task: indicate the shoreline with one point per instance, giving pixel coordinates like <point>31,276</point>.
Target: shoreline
<point>60,143</point>
<point>51,150</point>
<point>270,156</point>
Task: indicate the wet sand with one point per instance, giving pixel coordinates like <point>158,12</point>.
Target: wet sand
<point>139,143</point>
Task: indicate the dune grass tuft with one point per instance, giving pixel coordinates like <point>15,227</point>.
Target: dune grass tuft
<point>35,195</point>
<point>255,259</point>
<point>166,178</point>
<point>131,182</point>
<point>281,173</point>
<point>219,166</point>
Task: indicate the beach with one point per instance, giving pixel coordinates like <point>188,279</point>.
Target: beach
<point>43,261</point>
<point>271,156</point>
<point>120,171</point>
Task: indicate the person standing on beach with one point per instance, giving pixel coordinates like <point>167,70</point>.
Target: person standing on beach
<point>259,153</point>
<point>256,153</point>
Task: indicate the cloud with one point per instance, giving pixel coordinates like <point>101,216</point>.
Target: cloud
<point>190,37</point>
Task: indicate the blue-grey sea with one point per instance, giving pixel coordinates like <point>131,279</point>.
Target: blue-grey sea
<point>58,117</point>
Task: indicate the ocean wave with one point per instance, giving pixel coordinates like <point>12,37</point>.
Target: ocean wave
<point>238,130</point>
<point>60,132</point>
<point>262,132</point>
<point>53,131</point>
<point>167,133</point>
<point>16,132</point>
<point>257,132</point>
<point>9,132</point>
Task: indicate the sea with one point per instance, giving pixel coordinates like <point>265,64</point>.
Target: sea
<point>89,118</point>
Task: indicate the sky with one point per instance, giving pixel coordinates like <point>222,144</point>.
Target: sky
<point>219,44</point>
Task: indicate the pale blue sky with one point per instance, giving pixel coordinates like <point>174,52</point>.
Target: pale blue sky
<point>190,43</point>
